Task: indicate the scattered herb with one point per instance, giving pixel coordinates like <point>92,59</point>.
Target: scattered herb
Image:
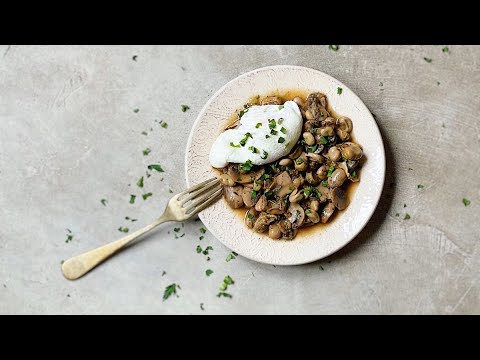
<point>253,149</point>
<point>404,206</point>
<point>311,149</point>
<point>234,146</point>
<point>420,186</point>
<point>299,161</point>
<point>339,90</point>
<point>466,202</point>
<point>156,167</point>
<point>281,107</point>
<point>140,182</point>
<point>69,236</point>
<point>228,280</point>
<point>265,155</point>
<point>185,108</point>
<point>203,230</point>
<point>123,229</point>
<point>321,267</point>
<point>144,133</point>
<point>438,83</point>
<point>224,294</point>
<point>233,255</point>
<point>272,124</point>
<point>199,249</point>
<point>428,60</point>
<point>209,272</point>
<point>201,238</point>
<point>325,183</point>
<point>163,124</point>
<point>323,140</point>
<point>283,130</point>
<point>134,57</point>
<point>397,214</point>
<point>258,125</point>
<point>176,230</point>
<point>136,111</point>
<point>407,216</point>
<point>267,136</point>
<point>146,196</point>
<point>280,121</point>
<point>281,140</point>
<point>164,273</point>
<point>244,140</point>
<point>334,47</point>
<point>247,166</point>
<point>132,199</point>
<point>446,50</point>
<point>104,202</point>
<point>354,173</point>
<point>147,151</point>
<point>169,290</point>
<point>201,307</point>
<point>205,252</point>
<point>253,194</point>
<point>274,132</point>
<point>331,169</point>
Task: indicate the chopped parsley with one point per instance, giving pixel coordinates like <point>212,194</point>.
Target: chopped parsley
<point>323,140</point>
<point>209,272</point>
<point>334,47</point>
<point>253,149</point>
<point>233,255</point>
<point>205,252</point>
<point>331,169</point>
<point>163,124</point>
<point>311,149</point>
<point>311,191</point>
<point>185,108</point>
<point>299,161</point>
<point>325,183</point>
<point>199,249</point>
<point>224,294</point>
<point>146,196</point>
<point>234,146</point>
<point>69,236</point>
<point>281,140</point>
<point>176,230</point>
<point>228,280</point>
<point>281,107</point>
<point>224,286</point>
<point>164,273</point>
<point>132,199</point>
<point>354,173</point>
<point>397,214</point>
<point>407,216</point>
<point>247,166</point>
<point>170,290</point>
<point>244,140</point>
<point>140,182</point>
<point>104,202</point>
<point>253,194</point>
<point>274,132</point>
<point>265,155</point>
<point>428,60</point>
<point>203,230</point>
<point>201,238</point>
<point>466,202</point>
<point>258,125</point>
<point>283,130</point>
<point>136,111</point>
<point>420,186</point>
<point>272,124</point>
<point>156,167</point>
<point>339,90</point>
<point>446,50</point>
<point>267,136</point>
<point>147,151</point>
<point>250,216</point>
<point>280,121</point>
<point>123,229</point>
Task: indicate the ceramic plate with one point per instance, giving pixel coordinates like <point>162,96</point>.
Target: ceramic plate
<point>227,225</point>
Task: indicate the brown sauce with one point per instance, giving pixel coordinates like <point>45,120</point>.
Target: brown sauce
<point>350,189</point>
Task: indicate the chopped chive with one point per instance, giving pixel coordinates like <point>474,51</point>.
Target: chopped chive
<point>283,130</point>
<point>185,108</point>
<point>323,140</point>
<point>104,202</point>
<point>466,202</point>
<point>123,229</point>
<point>156,167</point>
<point>234,146</point>
<point>265,155</point>
<point>281,140</point>
<point>146,151</point>
<point>146,196</point>
<point>334,47</point>
<point>140,182</point>
<point>132,199</point>
<point>339,90</point>
<point>258,125</point>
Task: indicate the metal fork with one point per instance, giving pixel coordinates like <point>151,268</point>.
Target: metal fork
<point>180,207</point>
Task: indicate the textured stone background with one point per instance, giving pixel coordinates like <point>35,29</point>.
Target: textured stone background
<point>69,137</point>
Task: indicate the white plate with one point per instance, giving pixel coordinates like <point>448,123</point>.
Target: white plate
<point>227,226</point>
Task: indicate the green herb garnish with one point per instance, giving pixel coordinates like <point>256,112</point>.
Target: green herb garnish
<point>323,140</point>
<point>267,136</point>
<point>123,229</point>
<point>280,121</point>
<point>258,125</point>
<point>446,49</point>
<point>281,107</point>
<point>299,161</point>
<point>199,249</point>
<point>104,202</point>
<point>311,149</point>
<point>209,272</point>
<point>339,90</point>
<point>228,280</point>
<point>134,57</point>
<point>144,133</point>
<point>176,229</point>
<point>234,146</point>
<point>132,199</point>
<point>244,140</point>
<point>185,108</point>
<point>325,183</point>
<point>203,230</point>
<point>253,149</point>
<point>272,124</point>
<point>331,169</point>
<point>274,132</point>
<point>146,151</point>
<point>170,290</point>
<point>428,60</point>
<point>407,216</point>
<point>281,140</point>
<point>146,196</point>
<point>163,124</point>
<point>253,194</point>
<point>354,173</point>
<point>69,236</point>
<point>156,167</point>
<point>136,111</point>
<point>205,252</point>
<point>231,256</point>
<point>224,294</point>
<point>466,202</point>
<point>247,166</point>
<point>264,156</point>
<point>420,186</point>
<point>334,47</point>
<point>250,216</point>
<point>283,130</point>
<point>140,182</point>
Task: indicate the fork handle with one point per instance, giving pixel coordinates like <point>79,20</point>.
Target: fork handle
<point>79,265</point>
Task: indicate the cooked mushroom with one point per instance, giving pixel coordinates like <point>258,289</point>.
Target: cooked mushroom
<point>327,212</point>
<point>296,215</point>
<point>329,121</point>
<point>261,204</point>
<point>298,181</point>
<point>296,153</point>
<point>250,217</point>
<point>334,154</point>
<point>326,131</point>
<point>285,226</point>
<point>226,180</point>
<point>311,178</point>
<point>233,195</point>
<point>271,100</point>
<point>343,135</point>
<point>244,178</point>
<point>274,231</point>
<point>285,162</point>
<point>344,124</point>
<point>263,221</point>
<point>248,200</point>
<point>351,151</point>
<point>296,196</point>
<point>337,179</point>
<point>315,107</point>
<point>322,172</point>
<point>339,198</point>
<point>313,216</point>
<point>324,193</point>
<point>301,164</point>
<point>309,138</point>
<point>298,100</point>
<point>276,207</point>
<point>285,182</point>
<point>314,204</point>
<point>315,157</point>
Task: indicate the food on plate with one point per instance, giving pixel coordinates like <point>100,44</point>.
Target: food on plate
<point>289,163</point>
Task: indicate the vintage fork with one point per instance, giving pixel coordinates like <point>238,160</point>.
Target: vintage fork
<point>180,207</point>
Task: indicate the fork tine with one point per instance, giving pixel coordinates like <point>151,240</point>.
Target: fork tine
<point>206,203</point>
<point>196,187</point>
<point>204,197</point>
<point>198,192</point>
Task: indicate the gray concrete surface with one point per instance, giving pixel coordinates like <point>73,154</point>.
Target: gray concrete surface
<point>69,138</point>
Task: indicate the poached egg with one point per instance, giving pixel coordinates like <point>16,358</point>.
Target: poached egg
<point>266,133</point>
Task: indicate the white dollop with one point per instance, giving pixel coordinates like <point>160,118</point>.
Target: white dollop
<point>286,116</point>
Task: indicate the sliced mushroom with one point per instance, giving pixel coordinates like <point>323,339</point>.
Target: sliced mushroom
<point>311,178</point>
<point>271,100</point>
<point>351,151</point>
<point>298,100</point>
<point>313,216</point>
<point>327,212</point>
<point>322,172</point>
<point>296,153</point>
<point>274,231</point>
<point>314,105</point>
<point>344,166</point>
<point>334,154</point>
<point>247,197</point>
<point>329,121</point>
<point>263,221</point>
<point>337,179</point>
<point>296,196</point>
<point>326,131</point>
<point>314,204</point>
<point>233,196</point>
<point>261,204</point>
<point>285,182</point>
<point>315,157</point>
<point>324,193</point>
<point>250,217</point>
<point>296,215</point>
<point>345,124</point>
<point>285,226</point>
<point>285,162</point>
<point>309,138</point>
<point>298,181</point>
<point>226,180</point>
<point>339,198</point>
<point>301,163</point>
<point>276,207</point>
<point>290,235</point>
<point>343,135</point>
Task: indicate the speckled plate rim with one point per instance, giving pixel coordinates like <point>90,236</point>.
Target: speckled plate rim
<point>234,233</point>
